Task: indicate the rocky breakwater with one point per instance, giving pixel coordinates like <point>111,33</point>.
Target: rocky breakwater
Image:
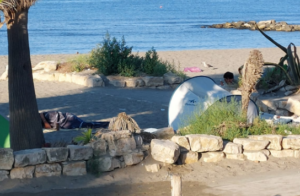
<point>268,25</point>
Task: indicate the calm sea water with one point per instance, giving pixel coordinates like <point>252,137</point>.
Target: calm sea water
<point>68,26</point>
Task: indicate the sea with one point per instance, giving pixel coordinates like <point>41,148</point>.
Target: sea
<point>71,26</point>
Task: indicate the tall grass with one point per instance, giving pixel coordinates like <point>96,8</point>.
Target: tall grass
<point>226,120</point>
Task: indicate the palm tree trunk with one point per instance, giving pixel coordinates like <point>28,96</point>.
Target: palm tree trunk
<point>25,123</point>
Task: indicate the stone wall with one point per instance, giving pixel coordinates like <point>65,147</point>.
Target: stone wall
<point>190,148</point>
<point>107,152</point>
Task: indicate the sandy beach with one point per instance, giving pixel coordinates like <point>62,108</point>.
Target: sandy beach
<point>150,109</point>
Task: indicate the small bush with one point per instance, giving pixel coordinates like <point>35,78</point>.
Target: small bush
<point>80,62</point>
<point>85,138</point>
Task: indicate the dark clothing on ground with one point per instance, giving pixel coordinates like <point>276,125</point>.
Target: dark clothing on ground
<point>70,121</point>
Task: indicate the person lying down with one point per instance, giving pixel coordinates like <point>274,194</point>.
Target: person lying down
<point>64,120</point>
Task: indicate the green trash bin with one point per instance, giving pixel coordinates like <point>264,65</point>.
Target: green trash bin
<point>4,133</point>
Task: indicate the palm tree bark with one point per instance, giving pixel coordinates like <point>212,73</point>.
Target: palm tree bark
<point>25,123</point>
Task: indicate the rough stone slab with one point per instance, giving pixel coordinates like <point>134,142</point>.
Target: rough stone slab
<point>212,157</point>
<point>250,144</point>
<point>76,168</point>
<point>282,112</point>
<point>282,153</point>
<point>152,168</point>
<point>240,157</point>
<point>21,173</point>
<point>293,105</point>
<point>48,170</point>
<point>140,83</point>
<point>6,158</point>
<point>46,66</point>
<point>165,151</point>
<point>29,157</point>
<point>133,158</point>
<point>131,83</point>
<point>151,81</point>
<point>281,104</point>
<point>3,175</point>
<point>78,153</point>
<point>266,152</point>
<point>164,87</point>
<point>275,140</point>
<point>80,79</point>
<point>104,164</point>
<point>55,155</point>
<point>291,142</point>
<point>171,78</point>
<point>182,141</point>
<point>232,148</point>
<point>205,143</point>
<point>94,81</point>
<point>189,157</point>
<point>4,76</point>
<point>99,147</point>
<point>255,155</point>
<point>117,83</point>
<point>119,142</point>
<point>164,133</point>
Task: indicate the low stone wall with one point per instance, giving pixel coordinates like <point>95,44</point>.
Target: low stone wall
<point>107,152</point>
<point>269,25</point>
<point>190,148</point>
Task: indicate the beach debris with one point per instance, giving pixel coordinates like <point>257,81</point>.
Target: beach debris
<point>123,122</point>
<point>206,65</point>
<point>4,76</point>
<point>192,69</point>
<point>153,167</point>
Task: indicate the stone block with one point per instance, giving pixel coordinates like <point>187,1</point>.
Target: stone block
<point>78,153</point>
<point>48,170</point>
<point>262,107</point>
<point>55,155</point>
<point>270,104</point>
<point>99,147</point>
<point>68,77</point>
<point>47,66</point>
<point>212,157</point>
<point>140,82</point>
<point>76,168</point>
<point>6,158</point>
<point>164,133</point>
<point>139,141</point>
<point>152,168</point>
<point>182,141</point>
<point>165,151</point>
<point>232,148</point>
<point>119,142</point>
<point>296,154</point>
<point>171,78</point>
<point>103,164</point>
<point>131,82</point>
<point>189,157</point>
<point>282,112</point>
<point>282,153</point>
<point>62,77</point>
<point>293,105</point>
<point>205,143</point>
<point>266,152</point>
<point>275,140</point>
<point>240,157</point>
<point>94,81</point>
<point>21,173</point>
<point>117,83</point>
<point>151,81</point>
<point>80,79</point>
<point>250,144</point>
<point>133,158</point>
<point>29,157</point>
<point>291,142</point>
<point>3,175</point>
<point>256,155</point>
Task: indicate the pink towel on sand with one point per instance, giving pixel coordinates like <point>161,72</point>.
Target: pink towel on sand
<point>192,69</point>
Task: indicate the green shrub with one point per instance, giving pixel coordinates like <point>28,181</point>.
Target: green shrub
<point>85,138</point>
<point>226,120</point>
<point>80,62</point>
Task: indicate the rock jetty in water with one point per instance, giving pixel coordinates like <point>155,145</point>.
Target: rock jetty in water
<point>269,25</point>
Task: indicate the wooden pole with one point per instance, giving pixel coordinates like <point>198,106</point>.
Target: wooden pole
<point>176,185</point>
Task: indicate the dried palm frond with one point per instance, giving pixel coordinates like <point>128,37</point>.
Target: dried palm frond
<point>123,122</point>
<point>11,7</point>
<point>251,74</point>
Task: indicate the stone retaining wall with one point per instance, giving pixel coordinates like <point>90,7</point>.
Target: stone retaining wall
<point>188,149</point>
<point>107,152</point>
